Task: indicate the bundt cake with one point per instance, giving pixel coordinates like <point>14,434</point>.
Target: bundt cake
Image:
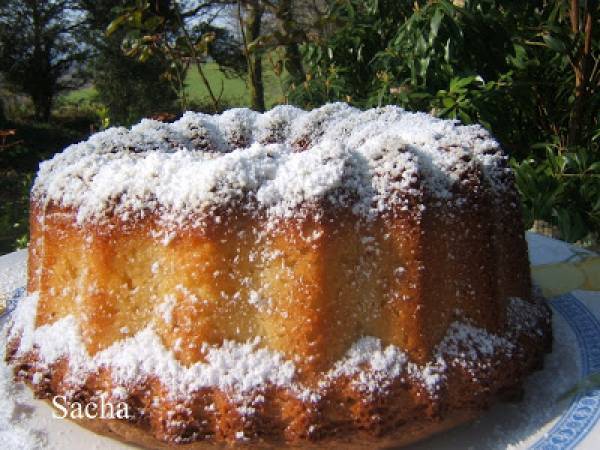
<point>335,277</point>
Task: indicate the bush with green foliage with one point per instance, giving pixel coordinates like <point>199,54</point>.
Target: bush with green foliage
<point>562,189</point>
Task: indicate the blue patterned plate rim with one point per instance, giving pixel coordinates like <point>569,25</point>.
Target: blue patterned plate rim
<point>584,411</point>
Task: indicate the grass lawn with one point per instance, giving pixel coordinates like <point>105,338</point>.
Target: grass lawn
<point>79,95</point>
<point>235,92</point>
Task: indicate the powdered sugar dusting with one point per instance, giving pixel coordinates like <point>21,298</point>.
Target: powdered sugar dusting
<point>233,367</point>
<point>382,364</point>
<point>466,341</point>
<point>240,368</point>
<point>14,432</point>
<point>368,161</point>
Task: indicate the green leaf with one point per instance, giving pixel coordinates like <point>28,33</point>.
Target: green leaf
<point>448,102</point>
<point>152,23</point>
<point>571,224</point>
<point>594,167</point>
<point>137,18</point>
<point>457,84</point>
<point>116,24</point>
<point>554,43</point>
<point>447,53</point>
<point>145,54</point>
<point>436,20</point>
<point>464,117</point>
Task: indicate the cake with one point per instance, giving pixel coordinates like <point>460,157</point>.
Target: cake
<point>335,277</point>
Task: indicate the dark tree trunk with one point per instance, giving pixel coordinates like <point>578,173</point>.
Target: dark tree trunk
<point>42,101</point>
<point>582,68</point>
<point>293,58</point>
<point>294,63</point>
<point>253,25</point>
<point>42,104</point>
<point>46,107</point>
<point>257,91</point>
<point>2,115</point>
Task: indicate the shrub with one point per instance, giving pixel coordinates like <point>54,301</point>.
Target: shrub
<point>562,189</point>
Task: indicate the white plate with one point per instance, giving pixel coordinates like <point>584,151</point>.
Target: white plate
<point>539,421</point>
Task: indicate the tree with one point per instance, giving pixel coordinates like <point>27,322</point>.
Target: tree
<point>584,17</point>
<point>290,36</point>
<point>284,25</point>
<point>296,23</point>
<point>250,13</point>
<point>179,32</point>
<point>183,33</point>
<point>130,89</point>
<point>39,54</point>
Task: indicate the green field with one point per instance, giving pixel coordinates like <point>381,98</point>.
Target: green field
<point>79,95</point>
<point>235,92</point>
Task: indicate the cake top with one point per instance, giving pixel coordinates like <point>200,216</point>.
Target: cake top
<point>280,162</point>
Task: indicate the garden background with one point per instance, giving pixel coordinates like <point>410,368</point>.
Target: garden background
<point>529,71</point>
